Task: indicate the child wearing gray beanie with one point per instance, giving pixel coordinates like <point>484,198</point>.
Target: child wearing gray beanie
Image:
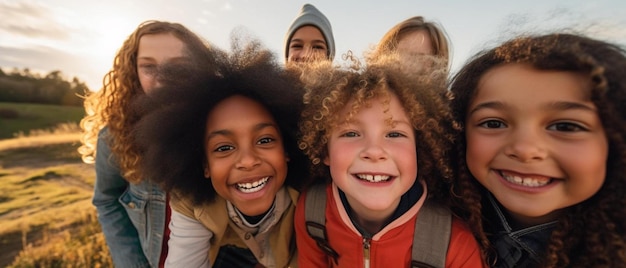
<point>311,16</point>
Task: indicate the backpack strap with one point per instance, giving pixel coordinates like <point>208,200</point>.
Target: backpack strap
<point>315,218</point>
<point>431,236</point>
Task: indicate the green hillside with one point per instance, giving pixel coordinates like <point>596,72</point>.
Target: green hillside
<point>24,117</point>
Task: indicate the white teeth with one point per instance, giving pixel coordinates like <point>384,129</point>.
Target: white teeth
<point>373,178</point>
<point>251,187</point>
<point>529,182</point>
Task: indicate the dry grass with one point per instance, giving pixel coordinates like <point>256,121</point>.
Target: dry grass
<point>62,133</point>
<point>83,246</point>
<point>46,215</point>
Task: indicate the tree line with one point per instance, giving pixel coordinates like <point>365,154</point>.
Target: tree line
<point>27,87</point>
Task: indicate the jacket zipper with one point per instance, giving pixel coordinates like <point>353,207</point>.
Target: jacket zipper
<point>366,253</point>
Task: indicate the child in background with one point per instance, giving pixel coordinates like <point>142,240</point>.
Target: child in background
<point>133,211</point>
<point>310,37</point>
<point>378,140</point>
<point>543,156</point>
<point>224,144</point>
<point>413,36</point>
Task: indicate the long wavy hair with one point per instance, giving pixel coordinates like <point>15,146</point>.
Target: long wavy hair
<point>592,233</point>
<point>111,105</point>
<point>421,91</point>
<point>440,41</point>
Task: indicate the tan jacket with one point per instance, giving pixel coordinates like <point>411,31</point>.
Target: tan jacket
<point>227,228</point>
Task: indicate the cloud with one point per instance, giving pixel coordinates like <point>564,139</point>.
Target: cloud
<point>31,20</point>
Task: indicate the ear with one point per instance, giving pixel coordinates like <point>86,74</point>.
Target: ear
<point>287,159</point>
<point>326,161</point>
<point>207,172</point>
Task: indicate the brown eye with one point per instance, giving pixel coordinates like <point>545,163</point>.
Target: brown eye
<point>492,124</point>
<point>566,127</point>
<point>265,140</point>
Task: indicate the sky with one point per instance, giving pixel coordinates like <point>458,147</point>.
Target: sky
<point>80,38</point>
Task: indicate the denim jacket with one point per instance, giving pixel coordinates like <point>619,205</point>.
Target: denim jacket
<point>132,216</point>
<point>515,248</point>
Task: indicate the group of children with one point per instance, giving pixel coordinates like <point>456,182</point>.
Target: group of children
<point>517,162</point>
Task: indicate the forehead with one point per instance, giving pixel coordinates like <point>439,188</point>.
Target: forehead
<point>417,41</point>
<point>163,44</point>
<point>520,82</point>
<point>238,108</point>
<point>380,99</point>
<point>308,32</point>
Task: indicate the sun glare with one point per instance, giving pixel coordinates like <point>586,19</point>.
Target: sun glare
<point>109,33</point>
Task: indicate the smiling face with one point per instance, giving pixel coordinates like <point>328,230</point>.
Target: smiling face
<point>307,44</point>
<point>372,160</point>
<point>535,140</point>
<point>154,50</point>
<point>246,161</point>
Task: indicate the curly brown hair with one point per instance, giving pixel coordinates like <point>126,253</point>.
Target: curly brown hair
<point>591,234</point>
<point>420,90</point>
<point>111,105</point>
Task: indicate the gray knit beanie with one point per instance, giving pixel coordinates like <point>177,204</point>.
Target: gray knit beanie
<point>309,15</point>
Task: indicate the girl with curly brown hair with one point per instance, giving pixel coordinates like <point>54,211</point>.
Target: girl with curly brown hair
<point>542,158</point>
<point>132,210</point>
<point>379,140</point>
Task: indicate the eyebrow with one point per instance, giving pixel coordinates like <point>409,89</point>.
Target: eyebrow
<point>226,132</point>
<point>557,105</point>
<point>315,41</point>
<point>168,60</point>
<point>394,122</point>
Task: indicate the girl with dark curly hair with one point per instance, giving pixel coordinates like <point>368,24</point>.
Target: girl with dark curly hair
<point>224,145</point>
<point>379,140</point>
<point>542,158</point>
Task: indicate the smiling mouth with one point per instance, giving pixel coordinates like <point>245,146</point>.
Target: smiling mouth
<point>252,187</point>
<point>526,181</point>
<point>373,178</point>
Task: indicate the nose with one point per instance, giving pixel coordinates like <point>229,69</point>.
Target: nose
<point>526,145</point>
<point>248,159</point>
<point>374,151</point>
<point>306,54</point>
<point>157,83</point>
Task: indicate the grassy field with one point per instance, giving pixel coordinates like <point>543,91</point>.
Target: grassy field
<point>46,216</point>
<point>26,117</point>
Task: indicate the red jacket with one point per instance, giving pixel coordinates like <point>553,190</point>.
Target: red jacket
<point>391,247</point>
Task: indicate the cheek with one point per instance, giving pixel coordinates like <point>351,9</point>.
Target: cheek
<point>339,158</point>
<point>277,158</point>
<point>478,153</point>
<point>479,145</point>
<point>147,82</point>
<point>280,164</point>
<point>406,156</point>
<point>586,161</point>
